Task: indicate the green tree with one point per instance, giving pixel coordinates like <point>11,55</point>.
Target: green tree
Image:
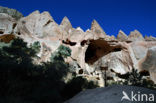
<point>61,53</point>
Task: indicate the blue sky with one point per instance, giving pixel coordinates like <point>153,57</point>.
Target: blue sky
<point>112,15</point>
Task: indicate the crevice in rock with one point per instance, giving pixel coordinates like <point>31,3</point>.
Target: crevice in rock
<point>68,42</point>
<point>128,41</point>
<point>48,22</point>
<point>14,25</point>
<point>1,31</point>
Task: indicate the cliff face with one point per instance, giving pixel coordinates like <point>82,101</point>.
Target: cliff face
<point>92,50</point>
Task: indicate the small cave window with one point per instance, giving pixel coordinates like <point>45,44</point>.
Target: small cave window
<point>69,43</point>
<point>1,32</point>
<point>83,42</point>
<point>117,49</point>
<point>19,33</point>
<point>81,71</point>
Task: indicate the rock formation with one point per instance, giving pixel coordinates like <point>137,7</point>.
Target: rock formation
<point>122,36</point>
<point>12,12</point>
<point>135,36</point>
<point>92,51</point>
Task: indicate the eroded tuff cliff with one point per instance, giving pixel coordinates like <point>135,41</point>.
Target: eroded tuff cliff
<point>93,51</point>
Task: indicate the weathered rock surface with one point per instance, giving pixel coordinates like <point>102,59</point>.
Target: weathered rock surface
<point>149,63</point>
<point>111,94</point>
<point>150,38</point>
<point>135,36</point>
<point>7,24</point>
<point>91,49</point>
<point>96,28</point>
<point>12,12</point>
<point>122,36</point>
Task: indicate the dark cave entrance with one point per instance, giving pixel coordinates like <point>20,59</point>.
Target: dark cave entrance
<point>97,49</point>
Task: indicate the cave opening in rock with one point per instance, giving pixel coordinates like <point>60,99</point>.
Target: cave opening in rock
<point>97,49</point>
<point>1,32</point>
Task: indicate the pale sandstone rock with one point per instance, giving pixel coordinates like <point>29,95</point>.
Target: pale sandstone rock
<point>7,24</point>
<point>135,36</point>
<point>65,24</point>
<point>148,63</point>
<point>91,49</point>
<point>42,28</point>
<point>122,36</point>
<point>150,38</point>
<point>96,28</point>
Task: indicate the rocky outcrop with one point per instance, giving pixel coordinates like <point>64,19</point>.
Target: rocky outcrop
<point>92,50</point>
<point>122,36</point>
<point>7,24</point>
<point>113,94</point>
<point>65,24</point>
<point>135,36</point>
<point>150,38</point>
<point>96,28</point>
<point>12,12</point>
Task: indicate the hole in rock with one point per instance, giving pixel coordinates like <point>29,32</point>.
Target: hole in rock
<point>83,42</point>
<point>81,71</point>
<point>97,49</point>
<point>19,33</point>
<point>1,32</point>
<point>67,42</point>
<point>14,25</point>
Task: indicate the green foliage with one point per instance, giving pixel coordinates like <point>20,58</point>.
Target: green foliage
<point>36,46</point>
<point>136,79</point>
<point>61,53</point>
<point>3,44</point>
<point>64,51</point>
